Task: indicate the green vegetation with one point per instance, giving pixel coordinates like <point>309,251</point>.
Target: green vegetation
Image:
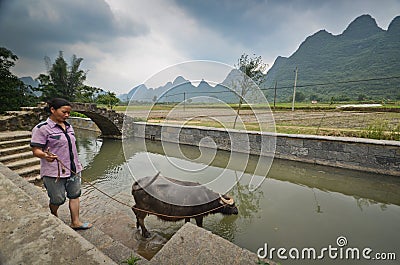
<point>323,119</point>
<point>132,260</point>
<point>360,64</point>
<point>278,106</point>
<point>252,69</point>
<point>66,81</point>
<point>382,130</point>
<point>109,99</point>
<point>61,80</point>
<point>13,92</point>
<point>77,114</point>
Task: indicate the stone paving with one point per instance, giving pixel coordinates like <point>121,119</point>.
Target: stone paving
<point>29,234</point>
<point>197,246</point>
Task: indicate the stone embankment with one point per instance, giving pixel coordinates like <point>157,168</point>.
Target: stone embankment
<point>377,156</point>
<point>24,119</point>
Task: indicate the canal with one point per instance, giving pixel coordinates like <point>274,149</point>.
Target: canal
<point>297,205</point>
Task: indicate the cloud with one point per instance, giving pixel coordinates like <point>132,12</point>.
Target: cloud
<point>174,38</point>
<point>33,26</point>
<point>42,28</point>
<point>124,42</point>
<point>274,28</point>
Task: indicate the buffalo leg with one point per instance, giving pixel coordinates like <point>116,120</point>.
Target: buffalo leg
<point>140,222</point>
<point>199,221</point>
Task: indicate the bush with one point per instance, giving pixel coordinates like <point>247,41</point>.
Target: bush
<point>77,114</point>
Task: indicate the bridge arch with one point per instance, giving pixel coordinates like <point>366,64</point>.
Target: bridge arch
<point>109,122</point>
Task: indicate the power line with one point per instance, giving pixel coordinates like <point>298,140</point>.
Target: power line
<point>166,95</point>
<point>338,82</point>
<point>195,92</point>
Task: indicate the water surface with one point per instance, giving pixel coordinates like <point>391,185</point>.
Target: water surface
<point>298,205</point>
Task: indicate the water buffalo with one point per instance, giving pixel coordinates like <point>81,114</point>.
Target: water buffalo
<point>173,200</point>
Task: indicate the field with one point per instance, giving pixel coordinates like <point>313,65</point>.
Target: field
<point>376,123</point>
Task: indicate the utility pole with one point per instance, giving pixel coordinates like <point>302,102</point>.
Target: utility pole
<point>294,88</point>
<point>184,101</point>
<point>276,82</point>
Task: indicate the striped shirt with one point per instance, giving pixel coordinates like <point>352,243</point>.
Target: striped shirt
<point>50,135</point>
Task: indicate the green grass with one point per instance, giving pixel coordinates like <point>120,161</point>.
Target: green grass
<point>77,114</point>
<point>382,130</point>
<point>132,260</point>
<point>143,107</point>
<point>311,119</point>
<point>279,105</point>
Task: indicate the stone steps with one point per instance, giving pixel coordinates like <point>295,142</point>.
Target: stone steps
<point>12,135</point>
<point>14,150</point>
<point>22,163</point>
<point>16,154</point>
<point>31,173</point>
<point>15,142</point>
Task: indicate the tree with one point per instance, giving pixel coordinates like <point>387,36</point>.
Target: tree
<point>62,80</point>
<point>88,94</point>
<point>361,97</point>
<point>252,69</point>
<point>343,97</point>
<point>12,90</point>
<point>315,97</point>
<point>300,96</point>
<point>108,99</point>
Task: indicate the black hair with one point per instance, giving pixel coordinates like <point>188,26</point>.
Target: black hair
<point>56,103</point>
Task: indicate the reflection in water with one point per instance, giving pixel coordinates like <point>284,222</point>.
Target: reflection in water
<point>298,205</point>
<point>109,158</point>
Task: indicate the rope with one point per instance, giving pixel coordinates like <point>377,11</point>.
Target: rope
<point>63,166</point>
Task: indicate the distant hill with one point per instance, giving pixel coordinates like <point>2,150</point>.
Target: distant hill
<point>357,64</point>
<point>29,81</point>
<point>178,91</point>
<point>363,51</point>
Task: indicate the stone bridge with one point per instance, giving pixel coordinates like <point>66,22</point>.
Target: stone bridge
<point>109,122</point>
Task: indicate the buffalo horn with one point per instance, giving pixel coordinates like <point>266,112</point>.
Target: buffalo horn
<point>229,202</point>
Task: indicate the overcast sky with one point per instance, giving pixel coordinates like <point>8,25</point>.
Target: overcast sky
<point>125,42</point>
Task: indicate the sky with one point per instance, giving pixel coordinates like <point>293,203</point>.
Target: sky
<point>123,43</point>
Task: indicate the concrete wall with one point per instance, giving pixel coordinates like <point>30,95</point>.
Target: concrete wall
<point>378,156</point>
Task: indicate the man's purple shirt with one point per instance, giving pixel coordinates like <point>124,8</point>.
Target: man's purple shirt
<point>50,135</point>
